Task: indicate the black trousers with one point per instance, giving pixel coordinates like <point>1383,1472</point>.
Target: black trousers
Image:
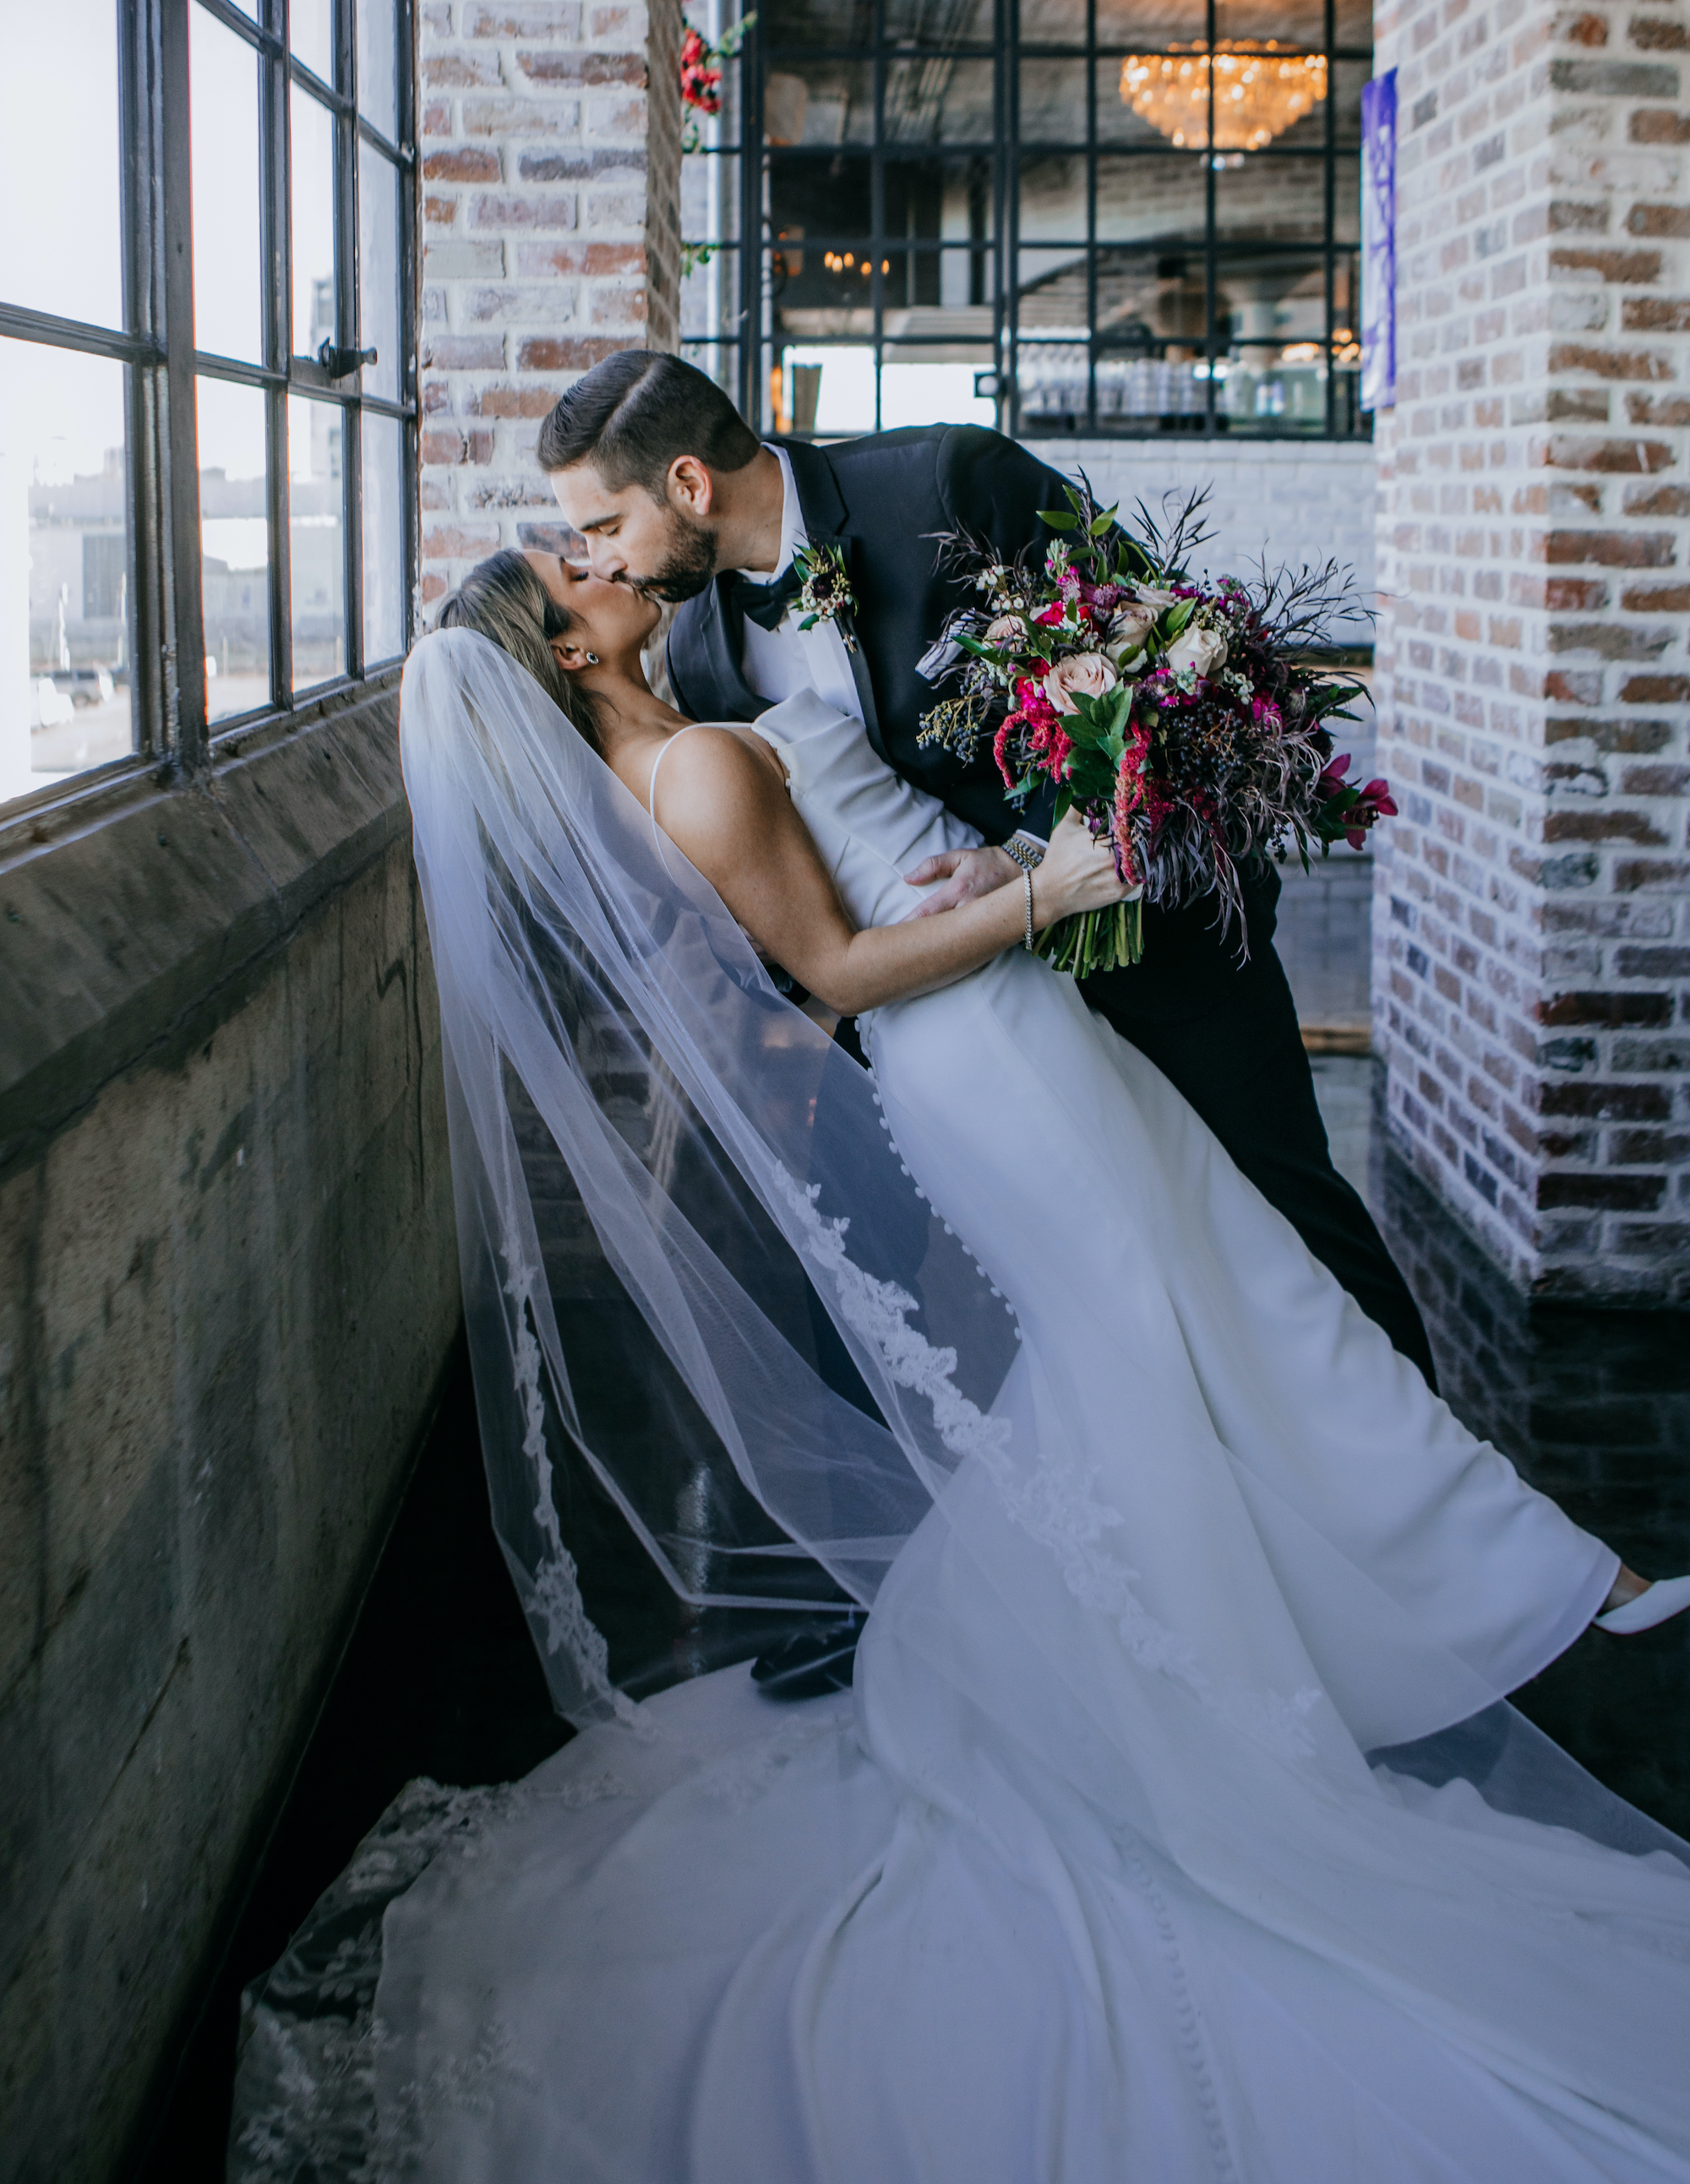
<point>1242,1066</point>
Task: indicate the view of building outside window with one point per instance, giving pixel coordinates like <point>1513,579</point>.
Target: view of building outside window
<point>1053,215</point>
<point>301,191</point>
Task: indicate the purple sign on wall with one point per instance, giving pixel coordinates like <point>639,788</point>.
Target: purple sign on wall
<point>1379,241</point>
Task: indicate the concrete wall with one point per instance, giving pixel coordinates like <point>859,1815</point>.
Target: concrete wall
<point>228,1283</point>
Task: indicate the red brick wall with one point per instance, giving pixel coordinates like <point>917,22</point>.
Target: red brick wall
<point>1532,923</point>
<point>551,144</point>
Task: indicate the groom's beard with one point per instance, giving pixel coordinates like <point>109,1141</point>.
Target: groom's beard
<point>688,563</point>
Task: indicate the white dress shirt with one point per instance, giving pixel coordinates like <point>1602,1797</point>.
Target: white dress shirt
<point>779,662</point>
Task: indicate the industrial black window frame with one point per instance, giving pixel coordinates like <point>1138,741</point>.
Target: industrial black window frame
<point>752,346</point>
<point>166,632</point>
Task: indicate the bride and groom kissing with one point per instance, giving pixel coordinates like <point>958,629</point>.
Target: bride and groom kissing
<point>1174,1826</point>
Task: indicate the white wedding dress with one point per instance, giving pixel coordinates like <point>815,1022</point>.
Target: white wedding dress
<point>1090,1879</point>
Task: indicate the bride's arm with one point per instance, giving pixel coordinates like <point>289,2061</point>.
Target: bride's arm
<point>724,808</point>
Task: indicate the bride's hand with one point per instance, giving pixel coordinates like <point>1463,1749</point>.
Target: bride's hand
<point>1078,874</point>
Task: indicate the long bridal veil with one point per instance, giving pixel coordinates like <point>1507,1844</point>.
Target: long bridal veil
<point>617,1055</point>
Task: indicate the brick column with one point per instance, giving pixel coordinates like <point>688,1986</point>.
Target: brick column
<point>551,143</point>
<point>1531,980</point>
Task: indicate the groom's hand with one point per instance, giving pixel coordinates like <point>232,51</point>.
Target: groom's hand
<point>971,872</point>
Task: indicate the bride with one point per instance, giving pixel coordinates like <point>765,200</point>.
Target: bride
<point>1175,1828</point>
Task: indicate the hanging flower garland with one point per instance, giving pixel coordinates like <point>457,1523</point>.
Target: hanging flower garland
<point>701,74</point>
<point>700,93</point>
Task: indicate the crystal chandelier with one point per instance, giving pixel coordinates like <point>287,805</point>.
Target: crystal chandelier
<point>1259,90</point>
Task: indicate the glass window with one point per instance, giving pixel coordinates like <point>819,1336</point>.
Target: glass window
<point>60,139</point>
<point>224,154</point>
<point>384,539</point>
<point>299,440</point>
<point>378,271</point>
<point>64,566</point>
<point>1146,215</point>
<point>311,32</point>
<point>316,540</point>
<point>234,533</point>
<point>312,151</point>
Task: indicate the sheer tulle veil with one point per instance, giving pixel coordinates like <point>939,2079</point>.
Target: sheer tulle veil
<point>601,1007</point>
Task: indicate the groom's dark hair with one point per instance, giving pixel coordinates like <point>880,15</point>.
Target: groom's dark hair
<point>632,414</point>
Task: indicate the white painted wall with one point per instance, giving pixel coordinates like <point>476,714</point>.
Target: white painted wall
<point>1293,501</point>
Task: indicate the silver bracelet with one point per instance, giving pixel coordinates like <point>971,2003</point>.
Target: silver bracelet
<point>1027,875</point>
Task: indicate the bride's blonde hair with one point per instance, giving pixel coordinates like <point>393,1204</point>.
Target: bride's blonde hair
<point>503,598</point>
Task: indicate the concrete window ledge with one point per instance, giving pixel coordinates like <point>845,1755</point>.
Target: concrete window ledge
<point>125,914</point>
<point>228,1289</point>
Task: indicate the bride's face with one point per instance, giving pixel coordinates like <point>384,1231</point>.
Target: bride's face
<point>612,620</point>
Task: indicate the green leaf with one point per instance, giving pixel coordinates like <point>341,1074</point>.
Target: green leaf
<point>1064,804</point>
<point>1100,524</point>
<point>1177,616</point>
<point>1056,521</point>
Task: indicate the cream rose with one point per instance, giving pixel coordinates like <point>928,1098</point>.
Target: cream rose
<point>1132,626</point>
<point>1086,675</point>
<point>1007,630</point>
<point>1159,602</point>
<point>1204,650</point>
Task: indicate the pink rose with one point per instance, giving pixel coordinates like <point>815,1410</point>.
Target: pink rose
<point>1007,630</point>
<point>1082,675</point>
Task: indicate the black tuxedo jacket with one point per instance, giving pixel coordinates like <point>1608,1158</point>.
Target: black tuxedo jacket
<point>884,499</point>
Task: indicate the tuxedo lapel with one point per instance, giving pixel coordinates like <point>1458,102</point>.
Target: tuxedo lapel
<point>705,647</point>
<point>826,522</point>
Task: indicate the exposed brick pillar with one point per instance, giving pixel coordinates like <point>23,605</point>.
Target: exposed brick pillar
<point>1531,980</point>
<point>551,142</point>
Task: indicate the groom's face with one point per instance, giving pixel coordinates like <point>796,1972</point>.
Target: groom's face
<point>661,548</point>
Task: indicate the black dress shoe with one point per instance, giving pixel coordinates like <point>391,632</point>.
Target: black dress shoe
<point>811,1662</point>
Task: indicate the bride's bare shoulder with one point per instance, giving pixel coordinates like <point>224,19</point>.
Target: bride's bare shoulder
<point>719,759</point>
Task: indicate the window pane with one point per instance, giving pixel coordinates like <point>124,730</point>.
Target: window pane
<point>314,223</point>
<point>311,32</point>
<point>316,541</point>
<point>937,100</point>
<point>1153,198</point>
<point>1053,102</point>
<point>934,22</point>
<point>385,573</point>
<point>58,157</point>
<point>378,253</point>
<point>818,104</point>
<point>228,296</point>
<point>1288,22</point>
<point>377,68</point>
<point>828,198</point>
<point>1278,200</point>
<point>234,544</point>
<point>64,686</point>
<point>1063,22</point>
<point>821,22</point>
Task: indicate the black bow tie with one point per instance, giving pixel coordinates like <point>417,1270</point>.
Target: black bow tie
<point>766,604</point>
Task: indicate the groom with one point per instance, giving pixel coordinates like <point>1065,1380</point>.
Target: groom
<point>673,493</point>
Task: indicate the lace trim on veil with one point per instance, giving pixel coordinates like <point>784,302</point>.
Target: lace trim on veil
<point>1054,1505</point>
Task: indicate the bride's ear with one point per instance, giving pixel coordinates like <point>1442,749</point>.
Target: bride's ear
<point>571,657</point>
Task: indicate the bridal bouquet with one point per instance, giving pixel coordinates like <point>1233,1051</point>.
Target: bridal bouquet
<point>1181,720</point>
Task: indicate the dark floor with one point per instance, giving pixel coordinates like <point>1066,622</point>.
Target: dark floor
<point>440,1678</point>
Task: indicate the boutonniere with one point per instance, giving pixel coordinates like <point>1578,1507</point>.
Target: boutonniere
<point>826,594</point>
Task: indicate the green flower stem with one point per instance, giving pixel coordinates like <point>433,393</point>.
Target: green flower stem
<point>1097,941</point>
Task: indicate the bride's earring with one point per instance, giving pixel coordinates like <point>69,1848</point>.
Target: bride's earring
<point>593,660</point>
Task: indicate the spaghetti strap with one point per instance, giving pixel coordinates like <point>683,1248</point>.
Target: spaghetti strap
<point>651,789</point>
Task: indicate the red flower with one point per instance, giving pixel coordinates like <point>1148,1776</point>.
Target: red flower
<point>1051,616</point>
